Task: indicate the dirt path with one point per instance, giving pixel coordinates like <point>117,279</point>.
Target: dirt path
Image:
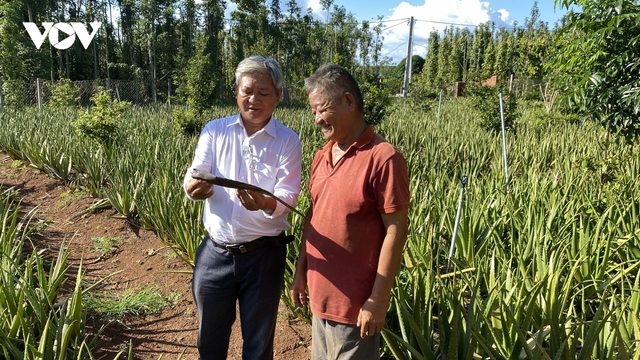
<point>143,258</point>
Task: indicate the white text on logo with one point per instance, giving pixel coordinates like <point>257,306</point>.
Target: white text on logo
<point>53,31</point>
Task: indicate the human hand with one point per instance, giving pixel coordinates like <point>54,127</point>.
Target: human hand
<point>298,290</point>
<point>251,200</point>
<point>199,189</point>
<point>371,317</point>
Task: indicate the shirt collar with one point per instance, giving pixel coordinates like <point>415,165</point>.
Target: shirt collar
<point>269,128</point>
<point>364,139</point>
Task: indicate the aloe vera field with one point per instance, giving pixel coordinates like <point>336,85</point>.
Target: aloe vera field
<point>545,257</point>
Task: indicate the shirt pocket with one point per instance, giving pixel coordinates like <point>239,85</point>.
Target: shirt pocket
<point>264,176</point>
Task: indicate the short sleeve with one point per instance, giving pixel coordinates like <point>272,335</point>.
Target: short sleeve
<point>392,185</point>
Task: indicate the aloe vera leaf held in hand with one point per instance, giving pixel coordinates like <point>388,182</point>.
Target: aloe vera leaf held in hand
<point>220,181</point>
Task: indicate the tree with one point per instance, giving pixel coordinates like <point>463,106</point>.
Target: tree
<point>12,52</point>
<point>481,39</point>
<point>430,69</point>
<point>598,64</point>
<point>534,44</point>
<point>503,54</point>
<point>444,59</point>
<point>489,63</point>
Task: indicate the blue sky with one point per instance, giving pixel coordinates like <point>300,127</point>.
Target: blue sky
<point>435,14</point>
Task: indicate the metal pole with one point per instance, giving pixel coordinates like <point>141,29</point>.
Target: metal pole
<point>439,103</point>
<point>39,92</point>
<point>463,182</point>
<point>504,140</point>
<point>407,64</point>
<point>118,93</point>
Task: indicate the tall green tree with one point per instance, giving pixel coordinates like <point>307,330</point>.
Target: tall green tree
<point>445,73</point>
<point>488,68</point>
<point>534,46</point>
<point>598,64</point>
<point>456,58</point>
<point>482,36</point>
<point>14,47</point>
<point>430,70</point>
<point>503,54</point>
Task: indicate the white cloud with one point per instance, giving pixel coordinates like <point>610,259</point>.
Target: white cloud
<point>316,9</point>
<point>314,5</point>
<point>434,15</point>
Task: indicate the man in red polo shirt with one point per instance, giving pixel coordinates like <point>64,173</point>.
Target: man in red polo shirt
<point>356,227</point>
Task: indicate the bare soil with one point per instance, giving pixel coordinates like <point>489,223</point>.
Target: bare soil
<point>140,260</point>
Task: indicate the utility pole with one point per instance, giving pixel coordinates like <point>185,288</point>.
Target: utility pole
<point>407,64</point>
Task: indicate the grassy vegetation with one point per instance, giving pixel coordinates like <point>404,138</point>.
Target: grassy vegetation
<point>130,302</point>
<point>106,246</point>
<point>547,269</point>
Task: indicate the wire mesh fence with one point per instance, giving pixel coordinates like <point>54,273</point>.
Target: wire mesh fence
<point>42,93</point>
<point>39,92</point>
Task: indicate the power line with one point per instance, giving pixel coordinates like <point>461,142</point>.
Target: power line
<point>458,24</point>
<point>396,48</point>
<point>389,27</point>
<point>384,21</point>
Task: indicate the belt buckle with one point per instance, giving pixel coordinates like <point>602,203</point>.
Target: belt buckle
<point>234,248</point>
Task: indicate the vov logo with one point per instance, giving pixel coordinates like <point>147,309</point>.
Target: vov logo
<point>72,29</point>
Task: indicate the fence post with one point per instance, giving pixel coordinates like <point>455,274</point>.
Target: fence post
<point>504,139</point>
<point>137,85</point>
<point>439,103</point>
<point>154,91</point>
<point>1,97</point>
<point>169,91</point>
<point>39,91</point>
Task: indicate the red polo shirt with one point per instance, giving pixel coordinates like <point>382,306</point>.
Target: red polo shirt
<point>346,232</point>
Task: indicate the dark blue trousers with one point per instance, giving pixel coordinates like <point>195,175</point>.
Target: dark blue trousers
<point>255,280</point>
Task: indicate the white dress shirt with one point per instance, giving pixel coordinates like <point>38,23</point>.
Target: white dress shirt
<point>270,158</point>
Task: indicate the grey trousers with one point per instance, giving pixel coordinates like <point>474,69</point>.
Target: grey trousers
<point>334,341</point>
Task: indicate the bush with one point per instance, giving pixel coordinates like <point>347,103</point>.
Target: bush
<point>186,120</point>
<point>422,97</point>
<point>486,105</point>
<point>62,94</point>
<point>199,84</point>
<point>376,102</point>
<point>531,93</point>
<point>14,94</point>
<point>100,122</point>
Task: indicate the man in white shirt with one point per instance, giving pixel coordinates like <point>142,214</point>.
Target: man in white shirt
<point>244,254</point>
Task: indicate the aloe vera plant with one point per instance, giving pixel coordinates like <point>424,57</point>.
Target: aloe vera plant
<point>546,270</point>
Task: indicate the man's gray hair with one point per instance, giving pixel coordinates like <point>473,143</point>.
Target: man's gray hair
<point>257,64</point>
<point>333,81</point>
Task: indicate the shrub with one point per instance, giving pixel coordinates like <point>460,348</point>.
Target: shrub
<point>486,105</point>
<point>14,94</point>
<point>376,102</point>
<point>62,94</point>
<point>100,122</point>
<point>186,120</point>
<point>422,97</point>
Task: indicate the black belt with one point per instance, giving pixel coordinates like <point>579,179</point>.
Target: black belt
<point>260,242</point>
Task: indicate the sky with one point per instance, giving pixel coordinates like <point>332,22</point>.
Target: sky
<point>435,14</point>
